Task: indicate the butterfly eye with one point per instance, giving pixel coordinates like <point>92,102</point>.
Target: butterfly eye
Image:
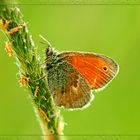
<point>105,68</point>
<point>49,51</point>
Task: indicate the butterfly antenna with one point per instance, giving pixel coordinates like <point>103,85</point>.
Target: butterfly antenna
<point>45,41</point>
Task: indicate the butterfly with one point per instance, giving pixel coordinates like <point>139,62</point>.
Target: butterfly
<point>72,76</point>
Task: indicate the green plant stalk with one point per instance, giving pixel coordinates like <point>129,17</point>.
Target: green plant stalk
<point>32,73</point>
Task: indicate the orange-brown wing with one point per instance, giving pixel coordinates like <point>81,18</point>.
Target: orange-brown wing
<point>68,87</point>
<point>97,69</point>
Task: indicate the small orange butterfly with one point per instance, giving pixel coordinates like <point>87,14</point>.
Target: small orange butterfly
<point>73,75</point>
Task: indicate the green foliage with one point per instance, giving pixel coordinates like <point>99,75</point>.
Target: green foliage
<point>30,67</point>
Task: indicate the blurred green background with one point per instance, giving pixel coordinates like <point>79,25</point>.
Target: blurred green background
<point>113,30</point>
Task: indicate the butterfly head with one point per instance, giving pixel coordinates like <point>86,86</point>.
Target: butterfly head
<point>49,52</point>
<point>51,56</point>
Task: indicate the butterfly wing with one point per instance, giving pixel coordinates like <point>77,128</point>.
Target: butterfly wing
<point>68,87</point>
<point>97,69</point>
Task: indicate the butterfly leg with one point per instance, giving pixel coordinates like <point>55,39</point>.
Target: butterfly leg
<point>43,77</point>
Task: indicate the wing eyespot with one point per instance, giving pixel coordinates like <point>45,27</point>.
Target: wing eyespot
<point>105,68</point>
